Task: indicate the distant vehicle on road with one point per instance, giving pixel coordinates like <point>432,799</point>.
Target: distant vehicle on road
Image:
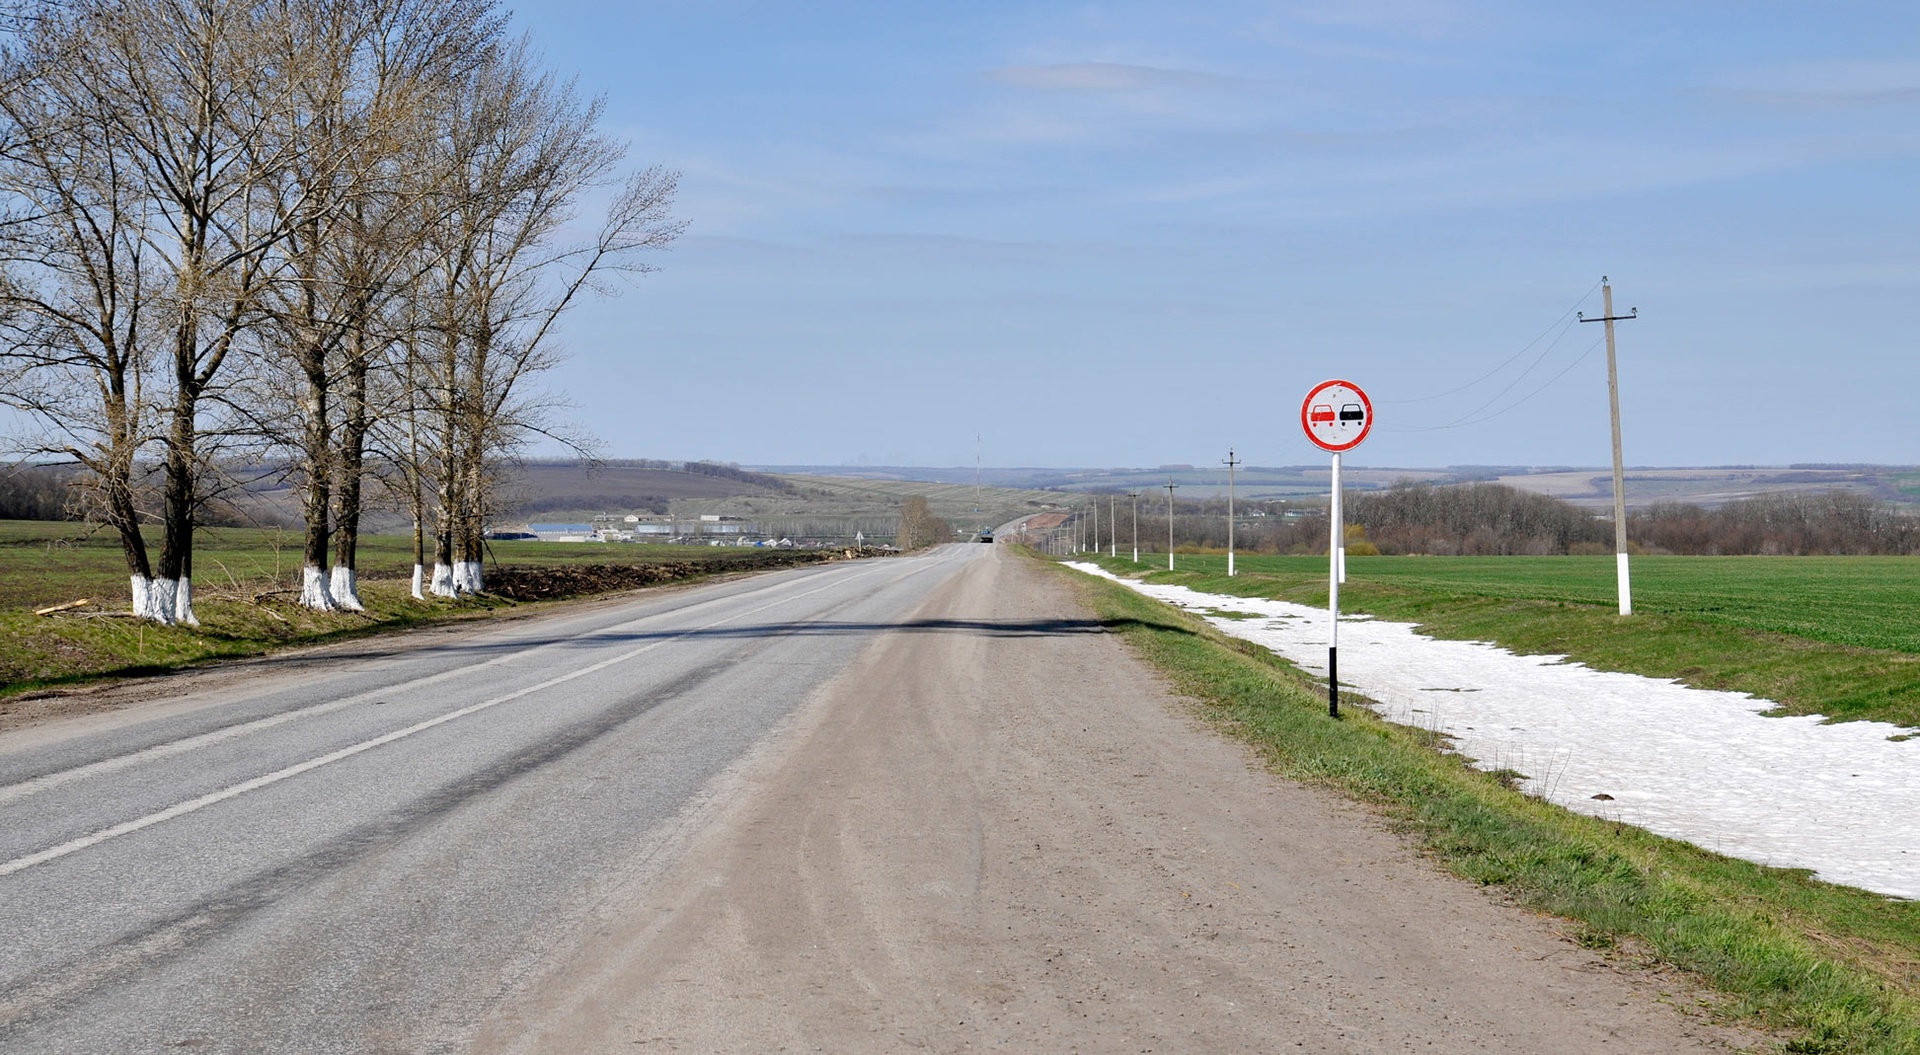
<point>986,535</point>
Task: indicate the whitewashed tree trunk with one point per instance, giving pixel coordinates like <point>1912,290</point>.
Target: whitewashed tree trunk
<point>467,577</point>
<point>146,602</point>
<point>346,589</point>
<point>158,604</point>
<point>419,581</point>
<point>183,603</point>
<point>313,589</point>
<point>443,581</point>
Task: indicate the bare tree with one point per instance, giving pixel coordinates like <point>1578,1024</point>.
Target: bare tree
<point>499,276</point>
<point>187,103</point>
<point>350,249</point>
<point>77,333</point>
<point>244,218</point>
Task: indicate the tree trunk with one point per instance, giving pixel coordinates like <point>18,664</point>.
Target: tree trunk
<point>353,443</point>
<point>315,590</point>
<point>165,601</point>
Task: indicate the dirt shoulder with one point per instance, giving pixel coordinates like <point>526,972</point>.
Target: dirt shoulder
<point>1012,837</point>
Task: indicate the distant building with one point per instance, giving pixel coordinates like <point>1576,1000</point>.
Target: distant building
<point>564,532</point>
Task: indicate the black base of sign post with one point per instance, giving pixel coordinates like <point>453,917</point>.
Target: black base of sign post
<point>1333,685</point>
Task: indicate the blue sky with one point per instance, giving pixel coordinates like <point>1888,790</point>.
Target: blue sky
<point>1118,234</point>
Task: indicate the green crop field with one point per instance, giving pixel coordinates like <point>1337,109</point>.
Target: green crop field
<point>44,563</point>
<point>1835,636</point>
<point>244,579</point>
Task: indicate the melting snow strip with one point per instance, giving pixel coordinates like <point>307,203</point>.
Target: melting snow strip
<point>1695,764</point>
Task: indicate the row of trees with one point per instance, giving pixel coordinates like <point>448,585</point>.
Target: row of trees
<point>330,234</point>
<point>1484,519</point>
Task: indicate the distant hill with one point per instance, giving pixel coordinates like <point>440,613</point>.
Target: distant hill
<point>1709,486</point>
<point>626,486</point>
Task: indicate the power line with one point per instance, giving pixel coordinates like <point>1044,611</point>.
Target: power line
<point>1470,420</point>
<point>1566,317</point>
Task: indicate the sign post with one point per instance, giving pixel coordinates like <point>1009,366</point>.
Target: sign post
<point>1337,415</point>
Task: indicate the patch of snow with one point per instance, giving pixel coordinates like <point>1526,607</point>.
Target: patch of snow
<point>1695,764</point>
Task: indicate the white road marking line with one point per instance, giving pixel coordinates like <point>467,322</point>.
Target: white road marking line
<point>15,792</point>
<point>194,805</point>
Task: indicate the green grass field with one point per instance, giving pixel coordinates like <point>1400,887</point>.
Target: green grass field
<point>1836,636</point>
<point>243,582</point>
<point>1829,968</point>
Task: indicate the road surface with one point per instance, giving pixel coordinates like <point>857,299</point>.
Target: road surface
<point>911,804</point>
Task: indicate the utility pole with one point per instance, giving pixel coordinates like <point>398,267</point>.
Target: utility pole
<point>1231,462</point>
<point>976,476</point>
<point>1619,471</point>
<point>1135,495</point>
<point>1170,486</point>
<point>1113,526</point>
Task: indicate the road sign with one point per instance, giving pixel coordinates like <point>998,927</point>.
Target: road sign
<point>1336,415</point>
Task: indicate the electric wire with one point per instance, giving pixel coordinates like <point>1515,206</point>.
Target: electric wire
<point>1471,420</point>
<point>1564,316</point>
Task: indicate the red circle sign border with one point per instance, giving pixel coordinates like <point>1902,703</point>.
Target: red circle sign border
<point>1307,427</point>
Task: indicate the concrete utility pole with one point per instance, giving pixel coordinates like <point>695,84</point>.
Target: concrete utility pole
<point>1113,525</point>
<point>1170,486</point>
<point>1135,495</point>
<point>1231,462</point>
<point>1619,471</point>
<point>976,476</point>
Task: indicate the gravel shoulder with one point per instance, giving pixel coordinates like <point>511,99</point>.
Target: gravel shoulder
<point>999,831</point>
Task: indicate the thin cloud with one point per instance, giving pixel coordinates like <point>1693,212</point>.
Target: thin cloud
<point>1107,77</point>
<point>1839,83</point>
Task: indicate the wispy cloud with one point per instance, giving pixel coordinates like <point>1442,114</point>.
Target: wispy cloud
<point>1835,83</point>
<point>1108,77</point>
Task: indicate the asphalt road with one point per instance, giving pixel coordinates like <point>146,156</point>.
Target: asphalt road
<point>368,853</point>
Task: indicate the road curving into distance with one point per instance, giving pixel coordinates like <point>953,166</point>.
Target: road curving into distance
<point>922,803</point>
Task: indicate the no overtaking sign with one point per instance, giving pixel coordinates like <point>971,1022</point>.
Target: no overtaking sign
<point>1336,415</point>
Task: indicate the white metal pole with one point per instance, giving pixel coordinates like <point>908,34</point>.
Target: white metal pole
<point>1333,598</point>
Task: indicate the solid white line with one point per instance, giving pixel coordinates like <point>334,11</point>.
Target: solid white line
<point>194,805</point>
<point>15,792</point>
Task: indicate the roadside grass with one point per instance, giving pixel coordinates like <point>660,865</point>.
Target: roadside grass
<point>47,562</point>
<point>1832,636</point>
<point>245,583</point>
<point>1836,970</point>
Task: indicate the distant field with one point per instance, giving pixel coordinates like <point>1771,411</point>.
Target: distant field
<point>862,502</point>
<point>44,563</point>
<point>1837,636</point>
<point>244,586</point>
